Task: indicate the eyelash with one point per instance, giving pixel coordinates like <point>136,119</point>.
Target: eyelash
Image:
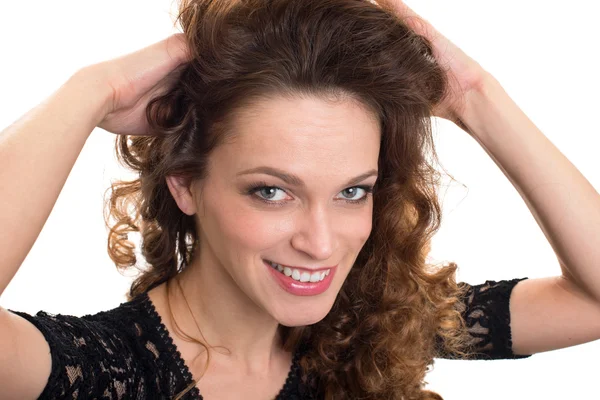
<point>251,191</point>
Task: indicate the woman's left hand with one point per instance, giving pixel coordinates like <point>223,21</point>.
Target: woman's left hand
<point>465,74</point>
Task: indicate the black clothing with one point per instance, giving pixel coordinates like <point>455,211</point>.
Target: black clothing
<point>127,353</point>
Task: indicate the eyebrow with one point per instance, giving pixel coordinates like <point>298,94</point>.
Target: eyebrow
<point>294,180</point>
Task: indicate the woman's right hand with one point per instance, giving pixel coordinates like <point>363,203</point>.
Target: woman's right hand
<point>134,79</point>
<point>37,152</point>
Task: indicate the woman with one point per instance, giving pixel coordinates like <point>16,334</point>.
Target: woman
<point>373,316</point>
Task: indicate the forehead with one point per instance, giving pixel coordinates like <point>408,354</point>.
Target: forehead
<point>304,135</point>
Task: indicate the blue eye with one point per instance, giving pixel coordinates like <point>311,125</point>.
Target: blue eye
<point>268,192</point>
<point>275,196</point>
<point>352,192</point>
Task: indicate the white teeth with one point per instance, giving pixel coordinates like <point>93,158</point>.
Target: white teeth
<point>315,277</point>
<point>296,274</point>
<point>301,276</point>
<point>304,277</point>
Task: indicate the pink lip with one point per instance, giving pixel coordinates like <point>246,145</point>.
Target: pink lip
<point>301,288</point>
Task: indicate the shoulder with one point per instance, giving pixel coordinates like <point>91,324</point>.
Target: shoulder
<point>114,330</point>
<point>485,309</point>
<point>489,290</point>
<point>112,353</point>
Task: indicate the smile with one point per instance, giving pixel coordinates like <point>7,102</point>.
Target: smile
<point>300,275</point>
<point>301,281</point>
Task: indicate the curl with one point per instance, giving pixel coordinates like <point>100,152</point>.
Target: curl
<point>395,312</point>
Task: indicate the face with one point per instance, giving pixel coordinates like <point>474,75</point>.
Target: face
<point>286,205</point>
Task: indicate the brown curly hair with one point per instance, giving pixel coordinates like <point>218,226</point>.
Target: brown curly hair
<point>395,312</point>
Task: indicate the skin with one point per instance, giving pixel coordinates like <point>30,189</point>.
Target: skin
<point>546,313</point>
<point>231,292</point>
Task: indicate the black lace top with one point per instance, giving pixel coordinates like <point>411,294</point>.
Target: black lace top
<point>127,353</point>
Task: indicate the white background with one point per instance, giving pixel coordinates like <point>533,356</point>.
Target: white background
<point>545,53</point>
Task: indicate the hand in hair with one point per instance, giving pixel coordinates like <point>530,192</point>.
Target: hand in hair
<point>136,78</point>
<point>464,73</point>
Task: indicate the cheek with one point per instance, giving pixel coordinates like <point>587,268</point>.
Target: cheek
<point>359,226</point>
<point>251,228</point>
<point>363,233</point>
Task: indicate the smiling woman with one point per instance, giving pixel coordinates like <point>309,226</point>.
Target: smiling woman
<point>286,195</point>
<point>241,197</point>
<point>302,217</point>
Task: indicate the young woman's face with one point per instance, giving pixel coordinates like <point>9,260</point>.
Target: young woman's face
<point>286,205</point>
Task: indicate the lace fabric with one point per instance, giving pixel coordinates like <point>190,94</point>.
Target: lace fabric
<point>127,353</point>
<point>487,316</point>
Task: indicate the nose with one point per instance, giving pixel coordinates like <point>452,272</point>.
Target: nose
<point>315,235</point>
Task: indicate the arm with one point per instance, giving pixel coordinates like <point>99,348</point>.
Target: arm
<point>548,313</point>
<point>554,312</point>
<point>37,153</point>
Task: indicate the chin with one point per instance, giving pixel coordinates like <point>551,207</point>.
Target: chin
<point>311,315</point>
<point>294,322</point>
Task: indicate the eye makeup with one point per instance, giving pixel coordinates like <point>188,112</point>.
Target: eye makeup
<point>254,190</point>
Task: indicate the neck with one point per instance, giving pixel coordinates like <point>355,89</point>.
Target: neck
<point>227,318</point>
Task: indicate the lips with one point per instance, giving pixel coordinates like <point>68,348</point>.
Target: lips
<point>301,282</point>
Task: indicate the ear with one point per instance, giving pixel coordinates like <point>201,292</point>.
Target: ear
<point>182,191</point>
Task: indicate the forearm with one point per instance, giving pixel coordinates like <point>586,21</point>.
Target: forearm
<point>37,153</point>
<point>565,205</point>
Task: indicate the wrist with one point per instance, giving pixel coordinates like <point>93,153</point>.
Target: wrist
<point>89,87</point>
<point>483,104</point>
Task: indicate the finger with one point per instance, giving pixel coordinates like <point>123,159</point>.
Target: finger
<point>419,24</point>
<point>169,52</point>
<point>178,48</point>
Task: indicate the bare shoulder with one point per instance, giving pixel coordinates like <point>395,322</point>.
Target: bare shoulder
<point>26,362</point>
